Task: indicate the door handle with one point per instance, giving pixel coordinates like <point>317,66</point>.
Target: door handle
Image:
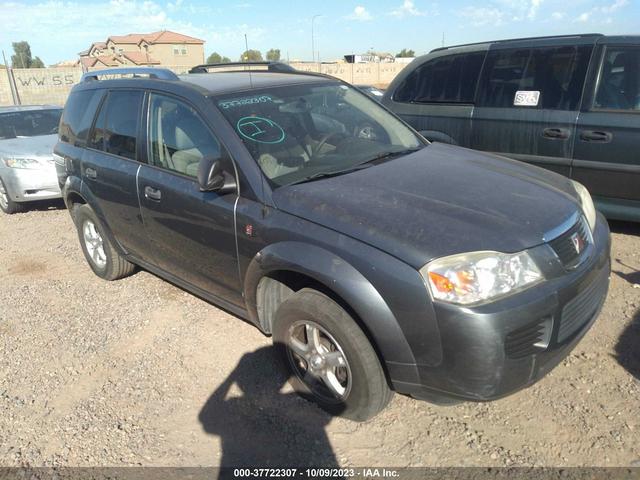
<point>91,173</point>
<point>152,194</point>
<point>556,133</point>
<point>596,136</point>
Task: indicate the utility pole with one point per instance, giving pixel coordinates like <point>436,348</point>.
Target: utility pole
<point>246,48</point>
<point>12,81</point>
<point>313,45</point>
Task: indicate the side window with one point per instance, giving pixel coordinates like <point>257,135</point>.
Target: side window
<point>619,83</point>
<point>78,115</point>
<point>178,138</point>
<point>117,124</point>
<point>548,78</point>
<point>449,79</point>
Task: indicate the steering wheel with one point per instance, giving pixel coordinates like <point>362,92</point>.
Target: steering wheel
<point>323,141</point>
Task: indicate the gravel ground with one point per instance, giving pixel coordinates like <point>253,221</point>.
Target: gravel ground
<point>139,372</point>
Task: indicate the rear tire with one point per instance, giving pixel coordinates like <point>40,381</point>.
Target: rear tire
<point>100,254</point>
<point>7,205</point>
<point>332,361</point>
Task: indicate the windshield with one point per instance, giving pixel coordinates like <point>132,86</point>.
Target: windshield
<point>299,132</point>
<point>29,123</point>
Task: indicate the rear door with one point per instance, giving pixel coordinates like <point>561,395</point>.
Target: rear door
<point>528,100</point>
<point>192,232</point>
<point>607,144</point>
<point>110,165</point>
<point>436,98</point>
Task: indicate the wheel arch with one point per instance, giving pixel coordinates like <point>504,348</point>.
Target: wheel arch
<point>283,268</point>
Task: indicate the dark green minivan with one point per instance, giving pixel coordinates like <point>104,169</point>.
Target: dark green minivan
<point>570,104</point>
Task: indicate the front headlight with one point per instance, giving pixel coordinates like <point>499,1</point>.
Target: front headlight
<point>478,276</point>
<point>586,202</point>
<point>30,163</point>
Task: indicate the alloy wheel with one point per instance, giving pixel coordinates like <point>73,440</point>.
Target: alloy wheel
<point>94,244</point>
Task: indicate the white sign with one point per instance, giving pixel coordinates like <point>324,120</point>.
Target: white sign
<point>526,98</point>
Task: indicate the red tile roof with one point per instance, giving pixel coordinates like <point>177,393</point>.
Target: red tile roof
<point>140,58</point>
<point>163,36</point>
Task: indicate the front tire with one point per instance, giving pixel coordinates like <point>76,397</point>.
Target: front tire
<point>7,205</point>
<point>100,254</point>
<point>332,361</point>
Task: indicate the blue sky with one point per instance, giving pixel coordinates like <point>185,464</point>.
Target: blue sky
<point>57,30</point>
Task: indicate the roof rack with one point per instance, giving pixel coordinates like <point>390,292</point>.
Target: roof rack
<point>278,67</point>
<point>579,35</point>
<point>157,73</point>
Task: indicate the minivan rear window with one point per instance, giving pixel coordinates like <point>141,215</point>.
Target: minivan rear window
<point>448,79</point>
<point>546,78</point>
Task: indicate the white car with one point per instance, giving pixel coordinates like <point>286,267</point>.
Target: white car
<point>27,170</point>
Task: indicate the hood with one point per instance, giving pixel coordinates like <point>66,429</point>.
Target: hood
<point>439,201</point>
<point>35,147</point>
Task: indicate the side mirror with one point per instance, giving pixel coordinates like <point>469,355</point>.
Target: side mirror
<point>213,178</point>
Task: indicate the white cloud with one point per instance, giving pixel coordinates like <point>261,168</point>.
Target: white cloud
<point>558,15</point>
<point>533,9</point>
<point>601,14</point>
<point>480,16</point>
<point>407,9</point>
<point>36,22</point>
<point>583,17</point>
<point>360,14</point>
<point>616,5</point>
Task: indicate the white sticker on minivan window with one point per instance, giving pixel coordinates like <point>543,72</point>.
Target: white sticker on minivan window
<point>526,98</point>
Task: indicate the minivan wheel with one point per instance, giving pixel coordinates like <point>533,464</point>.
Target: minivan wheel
<point>331,359</point>
<point>103,259</point>
<point>7,205</point>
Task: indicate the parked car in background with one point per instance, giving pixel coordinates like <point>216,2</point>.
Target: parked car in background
<point>27,171</point>
<point>378,262</point>
<point>570,104</point>
<point>374,92</point>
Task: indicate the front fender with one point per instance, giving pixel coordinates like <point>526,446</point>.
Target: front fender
<point>340,277</point>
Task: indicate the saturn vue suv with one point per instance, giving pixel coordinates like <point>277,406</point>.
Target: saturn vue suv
<point>377,261</point>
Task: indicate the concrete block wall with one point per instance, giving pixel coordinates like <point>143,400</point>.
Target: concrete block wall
<point>52,85</point>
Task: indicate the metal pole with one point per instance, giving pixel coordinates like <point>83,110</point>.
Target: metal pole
<point>246,48</point>
<point>12,81</point>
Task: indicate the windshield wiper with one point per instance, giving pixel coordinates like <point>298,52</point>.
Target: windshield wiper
<point>334,173</point>
<point>390,155</point>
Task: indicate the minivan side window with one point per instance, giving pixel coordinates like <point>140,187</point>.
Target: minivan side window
<point>547,78</point>
<point>619,83</point>
<point>78,115</point>
<point>447,79</point>
<point>117,124</point>
<point>178,138</point>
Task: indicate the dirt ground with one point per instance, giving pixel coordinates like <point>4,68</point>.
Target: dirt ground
<point>139,372</point>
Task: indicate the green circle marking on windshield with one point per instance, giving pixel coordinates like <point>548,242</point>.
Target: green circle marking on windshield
<point>261,130</point>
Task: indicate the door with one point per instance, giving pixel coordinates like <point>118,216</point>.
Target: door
<point>110,164</point>
<point>192,232</point>
<point>527,103</point>
<point>607,146</point>
<point>437,97</point>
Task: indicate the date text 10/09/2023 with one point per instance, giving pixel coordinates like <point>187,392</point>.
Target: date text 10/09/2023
<point>315,473</point>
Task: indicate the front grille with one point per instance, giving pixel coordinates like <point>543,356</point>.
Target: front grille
<point>571,246</point>
<point>529,339</point>
<point>583,307</point>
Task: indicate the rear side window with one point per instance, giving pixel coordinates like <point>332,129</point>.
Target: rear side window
<point>449,79</point>
<point>117,124</point>
<point>78,116</point>
<point>544,78</point>
<point>619,83</point>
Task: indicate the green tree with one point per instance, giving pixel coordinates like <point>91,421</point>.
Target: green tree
<point>406,53</point>
<point>22,56</point>
<point>215,57</point>
<point>273,55</point>
<point>251,56</point>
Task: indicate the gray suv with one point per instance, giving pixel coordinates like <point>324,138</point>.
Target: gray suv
<point>377,261</point>
<point>570,104</point>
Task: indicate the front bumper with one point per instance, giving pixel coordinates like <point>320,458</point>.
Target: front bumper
<point>25,185</point>
<point>495,349</point>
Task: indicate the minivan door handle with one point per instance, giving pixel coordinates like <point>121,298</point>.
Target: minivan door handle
<point>91,173</point>
<point>596,136</point>
<point>556,133</point>
<point>152,194</point>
